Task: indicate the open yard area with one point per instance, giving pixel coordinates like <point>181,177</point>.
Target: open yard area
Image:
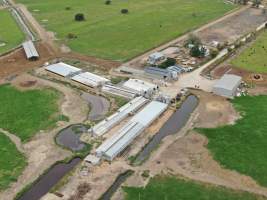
<point>10,33</point>
<point>12,162</point>
<point>242,146</point>
<point>254,57</point>
<point>171,188</point>
<point>107,33</point>
<point>24,113</point>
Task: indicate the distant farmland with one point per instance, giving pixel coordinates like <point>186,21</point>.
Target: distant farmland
<point>254,57</point>
<point>107,33</point>
<point>10,33</point>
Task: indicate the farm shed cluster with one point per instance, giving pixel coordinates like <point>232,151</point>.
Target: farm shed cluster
<point>113,146</point>
<point>105,125</point>
<point>76,74</point>
<point>227,86</point>
<point>30,50</point>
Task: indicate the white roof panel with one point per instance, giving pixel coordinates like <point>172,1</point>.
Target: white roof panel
<point>62,69</point>
<point>30,49</point>
<point>139,85</point>
<point>228,81</point>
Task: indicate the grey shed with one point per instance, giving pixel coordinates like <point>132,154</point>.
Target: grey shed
<point>30,50</point>
<point>227,85</point>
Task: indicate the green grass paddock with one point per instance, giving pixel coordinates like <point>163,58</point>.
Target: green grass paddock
<point>242,146</point>
<point>171,188</point>
<point>12,162</point>
<point>254,57</point>
<point>107,33</point>
<point>10,33</point>
<point>24,113</point>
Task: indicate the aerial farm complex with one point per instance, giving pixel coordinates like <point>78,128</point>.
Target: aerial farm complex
<point>133,100</point>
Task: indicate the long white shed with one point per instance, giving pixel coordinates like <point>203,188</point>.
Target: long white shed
<point>139,86</point>
<point>105,125</point>
<point>63,69</point>
<point>30,50</point>
<point>90,79</point>
<point>117,143</point>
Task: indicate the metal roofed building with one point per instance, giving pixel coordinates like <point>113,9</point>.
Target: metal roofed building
<point>155,57</point>
<point>105,125</point>
<point>113,146</point>
<point>158,73</point>
<point>30,50</point>
<point>119,91</point>
<point>140,87</point>
<point>90,79</point>
<point>63,69</point>
<point>176,69</point>
<point>227,85</point>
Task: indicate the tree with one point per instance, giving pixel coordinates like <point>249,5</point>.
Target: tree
<point>79,17</point>
<point>256,3</point>
<point>192,40</point>
<point>108,2</point>
<point>198,51</point>
<point>124,11</point>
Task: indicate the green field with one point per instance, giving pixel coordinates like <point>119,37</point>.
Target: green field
<point>254,57</point>
<point>24,113</point>
<point>12,162</point>
<point>10,33</point>
<point>171,188</point>
<point>107,33</point>
<point>242,146</point>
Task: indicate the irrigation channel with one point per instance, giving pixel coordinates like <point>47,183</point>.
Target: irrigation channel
<point>48,180</point>
<point>174,124</point>
<point>70,137</point>
<point>117,183</point>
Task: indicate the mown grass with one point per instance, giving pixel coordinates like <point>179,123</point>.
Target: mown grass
<point>242,146</point>
<point>24,113</point>
<point>12,162</point>
<point>107,33</point>
<point>254,57</point>
<point>172,188</point>
<point>10,33</point>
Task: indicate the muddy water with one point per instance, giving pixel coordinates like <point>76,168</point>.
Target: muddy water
<point>70,137</point>
<point>48,180</point>
<point>115,186</point>
<point>174,124</point>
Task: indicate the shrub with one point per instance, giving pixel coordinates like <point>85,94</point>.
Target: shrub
<point>79,17</point>
<point>71,36</point>
<point>108,2</point>
<point>68,8</point>
<point>124,11</point>
<point>167,63</point>
<point>214,53</point>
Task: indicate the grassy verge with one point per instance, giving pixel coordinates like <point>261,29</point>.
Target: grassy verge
<point>242,146</point>
<point>12,162</point>
<point>107,33</point>
<point>172,188</point>
<point>10,33</point>
<point>253,58</point>
<point>24,113</point>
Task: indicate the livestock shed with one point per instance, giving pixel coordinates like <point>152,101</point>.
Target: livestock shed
<point>176,69</point>
<point>105,125</point>
<point>63,69</point>
<point>140,87</point>
<point>113,146</point>
<point>227,85</point>
<point>30,50</point>
<point>90,79</point>
<point>119,91</point>
<point>159,73</point>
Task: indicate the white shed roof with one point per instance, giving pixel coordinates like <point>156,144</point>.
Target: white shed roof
<point>89,79</point>
<point>139,85</point>
<point>228,81</point>
<point>105,125</point>
<point>156,55</point>
<point>30,49</point>
<point>62,69</point>
<point>114,145</point>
